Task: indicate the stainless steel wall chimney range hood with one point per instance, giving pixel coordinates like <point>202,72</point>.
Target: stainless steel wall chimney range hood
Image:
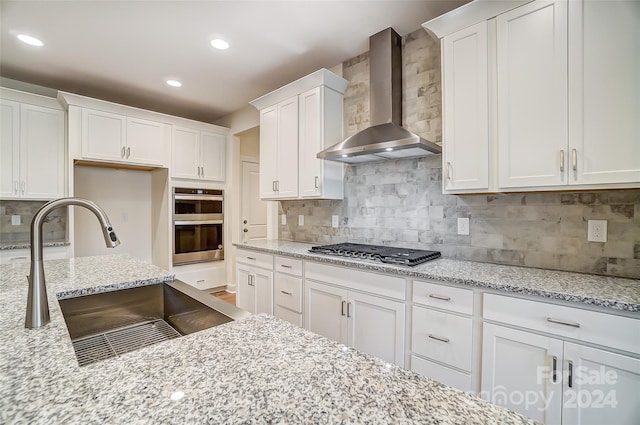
<point>385,139</point>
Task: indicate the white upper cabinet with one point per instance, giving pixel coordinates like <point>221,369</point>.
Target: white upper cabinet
<point>32,147</point>
<point>532,95</point>
<point>604,92</point>
<point>296,122</point>
<point>279,150</point>
<point>118,138</point>
<point>465,100</point>
<point>560,95</point>
<point>320,122</point>
<point>197,155</point>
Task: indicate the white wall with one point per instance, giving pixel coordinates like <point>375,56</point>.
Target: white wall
<point>125,196</point>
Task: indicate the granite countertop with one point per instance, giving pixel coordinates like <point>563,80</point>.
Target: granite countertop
<point>610,292</point>
<point>27,245</point>
<point>256,370</point>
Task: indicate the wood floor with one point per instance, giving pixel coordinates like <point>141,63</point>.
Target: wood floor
<point>229,297</point>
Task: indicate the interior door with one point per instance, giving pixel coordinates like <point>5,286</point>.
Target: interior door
<point>254,210</point>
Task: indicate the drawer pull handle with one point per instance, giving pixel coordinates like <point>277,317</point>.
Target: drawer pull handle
<point>439,297</point>
<point>251,258</point>
<point>562,322</point>
<point>554,376</point>
<point>439,338</point>
<point>348,309</point>
<point>286,266</point>
<point>343,304</point>
<point>286,293</point>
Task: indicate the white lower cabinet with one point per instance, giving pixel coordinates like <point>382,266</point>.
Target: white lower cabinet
<point>287,290</point>
<point>442,339</point>
<point>254,284</point>
<point>369,323</point>
<point>556,381</point>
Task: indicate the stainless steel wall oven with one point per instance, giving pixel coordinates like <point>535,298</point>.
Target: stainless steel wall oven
<point>197,225</point>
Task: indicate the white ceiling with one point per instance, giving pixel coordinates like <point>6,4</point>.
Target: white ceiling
<point>124,51</point>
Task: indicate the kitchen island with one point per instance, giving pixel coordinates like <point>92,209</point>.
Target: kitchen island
<point>255,370</point>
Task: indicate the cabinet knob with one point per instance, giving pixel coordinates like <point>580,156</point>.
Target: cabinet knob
<point>245,230</point>
<point>245,222</point>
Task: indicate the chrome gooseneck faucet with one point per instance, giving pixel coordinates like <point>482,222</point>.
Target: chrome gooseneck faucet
<point>37,303</point>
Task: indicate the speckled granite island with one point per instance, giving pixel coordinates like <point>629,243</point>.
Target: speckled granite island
<point>256,370</point>
<point>619,294</point>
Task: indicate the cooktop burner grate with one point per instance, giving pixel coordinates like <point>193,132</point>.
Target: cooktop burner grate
<point>385,254</point>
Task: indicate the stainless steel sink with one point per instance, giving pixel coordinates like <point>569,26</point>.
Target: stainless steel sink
<point>108,324</point>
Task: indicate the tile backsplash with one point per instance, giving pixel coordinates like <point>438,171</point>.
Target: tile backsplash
<point>54,226</point>
<point>401,202</point>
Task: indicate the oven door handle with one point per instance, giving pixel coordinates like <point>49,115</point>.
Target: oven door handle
<point>196,222</point>
<point>198,197</point>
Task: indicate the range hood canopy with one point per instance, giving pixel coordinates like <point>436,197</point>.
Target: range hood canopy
<point>385,139</point>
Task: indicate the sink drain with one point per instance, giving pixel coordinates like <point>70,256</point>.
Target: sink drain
<point>117,342</point>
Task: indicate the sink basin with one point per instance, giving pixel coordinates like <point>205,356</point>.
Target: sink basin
<point>112,323</point>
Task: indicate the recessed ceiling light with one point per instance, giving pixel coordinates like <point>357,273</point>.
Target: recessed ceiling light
<point>174,83</point>
<point>344,155</point>
<point>30,40</point>
<point>219,44</point>
<point>388,149</point>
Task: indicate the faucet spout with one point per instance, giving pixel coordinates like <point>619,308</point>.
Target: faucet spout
<point>37,303</point>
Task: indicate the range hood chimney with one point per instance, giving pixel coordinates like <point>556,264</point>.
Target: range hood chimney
<point>385,139</point>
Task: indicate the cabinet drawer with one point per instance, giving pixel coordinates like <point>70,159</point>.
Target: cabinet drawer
<point>446,297</point>
<point>288,292</point>
<point>288,315</point>
<point>379,284</point>
<point>444,337</point>
<point>255,258</point>
<point>447,376</point>
<point>618,332</point>
<point>289,265</point>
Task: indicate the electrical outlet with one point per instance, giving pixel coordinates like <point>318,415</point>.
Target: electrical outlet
<point>335,221</point>
<point>301,220</point>
<point>16,220</point>
<point>283,219</point>
<point>463,226</point>
<point>597,231</point>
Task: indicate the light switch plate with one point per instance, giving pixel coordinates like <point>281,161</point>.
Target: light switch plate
<point>597,231</point>
<point>283,219</point>
<point>463,226</point>
<point>16,220</point>
<point>335,221</point>
<point>301,220</point>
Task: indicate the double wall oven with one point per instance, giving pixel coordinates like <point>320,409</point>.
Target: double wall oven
<point>197,225</point>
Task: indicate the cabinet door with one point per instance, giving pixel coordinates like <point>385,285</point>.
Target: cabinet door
<point>532,95</point>
<point>326,311</point>
<point>604,92</point>
<point>376,326</point>
<point>103,135</point>
<point>9,149</point>
<point>263,285</point>
<point>268,151</point>
<point>213,156</point>
<point>41,152</point>
<point>310,142</point>
<point>287,158</point>
<point>604,388</point>
<point>518,372</point>
<point>184,153</point>
<point>145,141</point>
<point>465,109</point>
<point>246,294</point>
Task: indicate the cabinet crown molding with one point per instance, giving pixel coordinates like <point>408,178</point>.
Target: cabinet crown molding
<point>71,99</point>
<point>469,14</point>
<point>322,77</point>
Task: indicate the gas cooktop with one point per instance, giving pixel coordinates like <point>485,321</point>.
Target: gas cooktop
<point>385,254</point>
